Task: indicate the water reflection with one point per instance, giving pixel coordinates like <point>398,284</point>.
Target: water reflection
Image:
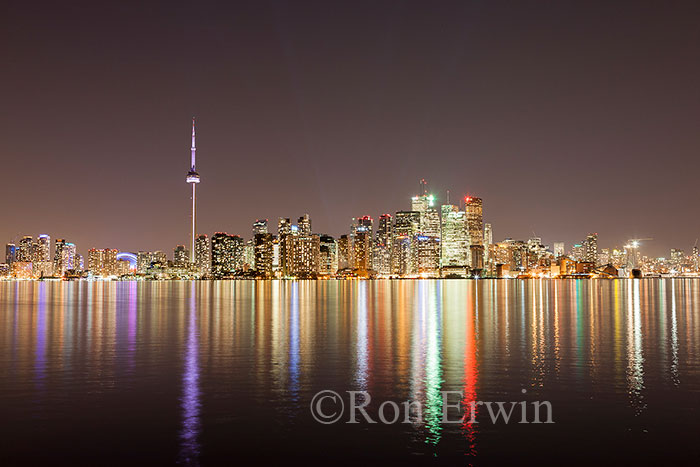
<point>190,403</point>
<point>209,356</point>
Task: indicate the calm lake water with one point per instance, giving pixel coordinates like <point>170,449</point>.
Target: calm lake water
<point>224,372</point>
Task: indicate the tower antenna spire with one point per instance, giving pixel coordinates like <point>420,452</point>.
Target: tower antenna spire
<point>194,147</point>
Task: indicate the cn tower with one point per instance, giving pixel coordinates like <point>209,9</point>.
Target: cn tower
<point>193,178</point>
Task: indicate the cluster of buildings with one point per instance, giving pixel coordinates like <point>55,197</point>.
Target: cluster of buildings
<point>32,258</point>
<point>426,241</point>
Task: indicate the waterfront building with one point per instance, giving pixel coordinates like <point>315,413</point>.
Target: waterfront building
<point>590,248</point>
<point>102,262</point>
<point>428,252</point>
<point>24,252</point>
<point>455,243</point>
<point>202,255</point>
<point>227,254</point>
<point>362,250</point>
<point>264,253</point>
<point>404,256</point>
<point>381,260</point>
<point>10,253</point>
<point>284,230</point>
<point>21,269</point>
<point>42,249</point>
<point>147,260</point>
<point>343,252</point>
<point>181,256</point>
<point>328,256</point>
<point>69,259</point>
<point>304,253</point>
<point>249,255</point>
<point>474,212</point>
<point>58,268</point>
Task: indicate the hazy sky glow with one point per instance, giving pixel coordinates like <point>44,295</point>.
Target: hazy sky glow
<point>565,117</point>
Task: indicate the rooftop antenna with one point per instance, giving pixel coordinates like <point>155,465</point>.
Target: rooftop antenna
<point>448,196</point>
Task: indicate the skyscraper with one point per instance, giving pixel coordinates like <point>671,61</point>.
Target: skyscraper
<point>227,254</point>
<point>473,208</point>
<point>429,216</point>
<point>193,179</point>
<point>260,227</point>
<point>362,250</point>
<point>10,253</point>
<point>42,249</point>
<point>328,256</point>
<point>24,252</point>
<point>382,245</point>
<point>263,253</point>
<point>304,225</point>
<point>180,256</point>
<point>558,249</point>
<point>102,262</point>
<point>455,242</point>
<point>303,255</point>
<point>284,230</point>
<point>58,268</point>
<point>70,259</point>
<point>202,256</point>
<point>590,248</point>
<point>344,252</point>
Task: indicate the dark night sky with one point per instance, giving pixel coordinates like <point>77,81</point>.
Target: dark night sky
<point>566,117</point>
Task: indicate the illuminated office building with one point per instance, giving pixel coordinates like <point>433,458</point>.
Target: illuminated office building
<point>181,256</point>
<point>202,255</point>
<point>58,268</point>
<point>284,230</point>
<point>362,250</point>
<point>404,256</point>
<point>78,262</point>
<point>365,224</point>
<point>260,227</point>
<point>102,262</point>
<point>263,244</point>
<point>473,209</point>
<point>590,248</point>
<point>249,255</point>
<point>69,258</point>
<point>304,253</point>
<point>428,252</point>
<point>558,249</point>
<point>227,254</point>
<point>429,224</point>
<point>381,261</point>
<point>24,252</point>
<point>677,259</point>
<point>10,253</point>
<point>578,252</point>
<point>42,249</point>
<point>304,225</point>
<point>407,223</point>
<point>454,245</point>
<point>328,265</point>
<point>344,252</point>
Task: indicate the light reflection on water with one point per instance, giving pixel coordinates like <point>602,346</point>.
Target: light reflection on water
<point>190,371</point>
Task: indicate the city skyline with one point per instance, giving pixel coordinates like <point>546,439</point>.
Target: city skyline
<point>562,130</point>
